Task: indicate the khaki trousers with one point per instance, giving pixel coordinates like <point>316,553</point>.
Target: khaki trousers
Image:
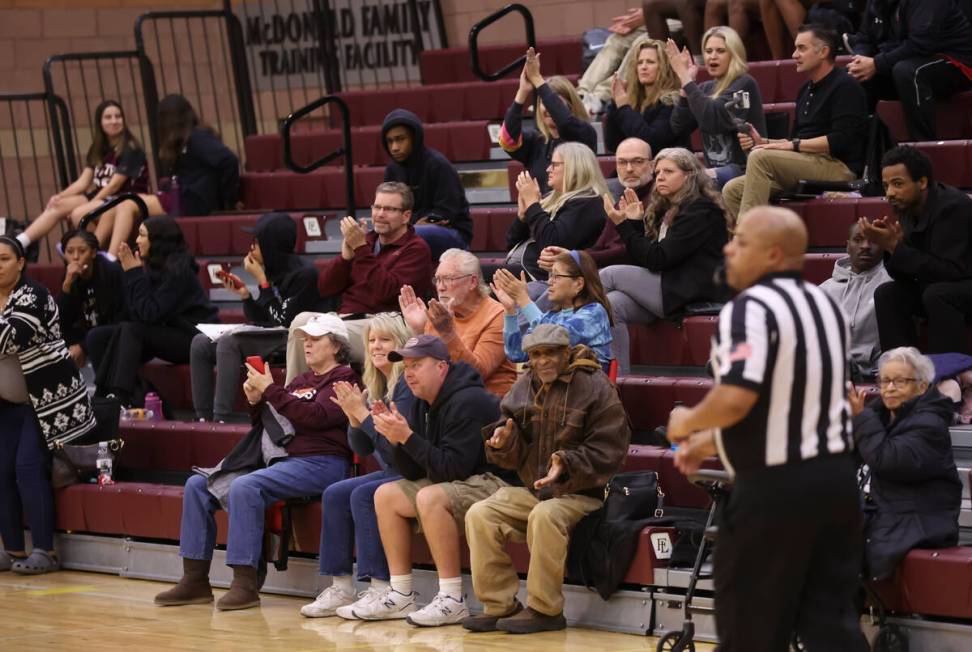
<point>613,57</point>
<point>296,364</point>
<point>515,514</point>
<point>774,171</point>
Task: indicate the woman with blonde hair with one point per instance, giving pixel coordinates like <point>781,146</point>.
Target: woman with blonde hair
<point>644,96</point>
<point>560,116</point>
<point>676,244</point>
<point>571,215</point>
<point>717,106</point>
<point>349,523</point>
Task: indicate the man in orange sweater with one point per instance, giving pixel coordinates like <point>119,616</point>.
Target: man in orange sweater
<point>464,317</point>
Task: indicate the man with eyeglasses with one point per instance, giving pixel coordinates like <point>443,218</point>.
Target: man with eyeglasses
<point>465,317</point>
<point>372,268</point>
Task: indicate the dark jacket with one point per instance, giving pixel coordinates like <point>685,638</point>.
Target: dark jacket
<point>687,258</point>
<point>365,440</point>
<point>915,492</point>
<point>896,30</point>
<point>97,301</point>
<point>937,245</point>
<point>529,147</point>
<point>172,297</point>
<point>208,174</point>
<point>653,125</point>
<point>579,417</point>
<point>435,184</point>
<point>835,107</point>
<point>577,225</point>
<point>445,444</point>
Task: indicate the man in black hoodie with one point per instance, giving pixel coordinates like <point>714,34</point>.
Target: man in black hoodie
<point>444,465</point>
<point>441,211</point>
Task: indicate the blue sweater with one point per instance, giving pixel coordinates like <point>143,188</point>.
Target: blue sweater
<point>588,325</point>
<point>365,440</point>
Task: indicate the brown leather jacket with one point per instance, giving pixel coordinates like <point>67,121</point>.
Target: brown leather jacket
<point>579,417</point>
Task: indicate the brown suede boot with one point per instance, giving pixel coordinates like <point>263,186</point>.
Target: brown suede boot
<point>529,621</point>
<point>243,592</point>
<point>193,587</point>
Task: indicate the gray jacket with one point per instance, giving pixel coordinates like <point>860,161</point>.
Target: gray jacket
<point>854,293</point>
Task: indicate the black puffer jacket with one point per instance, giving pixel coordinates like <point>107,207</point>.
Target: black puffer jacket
<point>915,493</point>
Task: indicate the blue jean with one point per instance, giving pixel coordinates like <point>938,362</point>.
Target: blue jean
<point>249,497</point>
<point>727,173</point>
<point>440,238</point>
<point>349,523</point>
<point>25,480</point>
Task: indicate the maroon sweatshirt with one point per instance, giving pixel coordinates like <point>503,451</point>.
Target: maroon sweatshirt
<point>370,283</point>
<point>322,427</point>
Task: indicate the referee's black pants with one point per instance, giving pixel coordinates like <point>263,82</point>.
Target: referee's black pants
<point>788,559</point>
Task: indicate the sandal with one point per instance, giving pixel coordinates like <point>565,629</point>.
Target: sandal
<point>38,563</point>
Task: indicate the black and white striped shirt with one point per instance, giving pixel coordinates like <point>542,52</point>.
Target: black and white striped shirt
<point>787,340</point>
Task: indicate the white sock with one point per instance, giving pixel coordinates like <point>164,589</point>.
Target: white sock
<point>343,583</point>
<point>381,585</point>
<point>452,587</point>
<point>402,583</point>
<point>110,257</point>
<point>23,239</point>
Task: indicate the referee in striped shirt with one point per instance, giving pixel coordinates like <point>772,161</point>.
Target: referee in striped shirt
<point>789,546</point>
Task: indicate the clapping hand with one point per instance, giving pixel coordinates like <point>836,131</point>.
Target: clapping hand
<point>515,288</point>
<point>682,62</point>
<point>528,189</point>
<point>413,310</point>
<point>354,234</point>
<point>391,424</point>
<point>555,470</point>
<point>882,231</point>
<point>501,435</point>
<point>629,207</point>
<point>352,401</point>
<point>441,318</point>
<point>127,258</point>
<point>627,22</point>
<point>532,68</point>
<point>619,91</point>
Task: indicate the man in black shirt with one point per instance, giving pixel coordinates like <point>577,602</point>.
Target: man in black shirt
<point>827,142</point>
<point>790,543</point>
<point>928,253</point>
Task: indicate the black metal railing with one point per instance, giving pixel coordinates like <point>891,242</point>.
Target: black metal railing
<point>110,204</point>
<point>343,150</point>
<point>477,29</point>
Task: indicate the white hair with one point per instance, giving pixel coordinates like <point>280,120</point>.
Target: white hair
<point>923,366</point>
<point>468,263</point>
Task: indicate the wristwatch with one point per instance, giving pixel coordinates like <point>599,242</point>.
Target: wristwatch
<point>796,144</point>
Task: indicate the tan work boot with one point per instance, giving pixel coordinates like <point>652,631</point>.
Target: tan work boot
<point>243,592</point>
<point>193,587</point>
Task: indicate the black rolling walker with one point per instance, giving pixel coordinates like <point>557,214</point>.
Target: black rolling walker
<point>717,485</point>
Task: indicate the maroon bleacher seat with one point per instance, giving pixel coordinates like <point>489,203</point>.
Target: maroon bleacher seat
<point>932,583</point>
<point>647,400</point>
<point>953,117</point>
<point>950,161</point>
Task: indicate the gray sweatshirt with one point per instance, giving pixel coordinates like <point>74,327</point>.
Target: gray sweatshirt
<point>720,143</point>
<point>854,293</point>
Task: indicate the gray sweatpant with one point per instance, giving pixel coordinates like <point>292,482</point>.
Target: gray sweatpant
<point>636,298</point>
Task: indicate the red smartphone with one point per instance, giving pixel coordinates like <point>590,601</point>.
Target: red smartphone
<point>235,281</point>
<point>256,362</point>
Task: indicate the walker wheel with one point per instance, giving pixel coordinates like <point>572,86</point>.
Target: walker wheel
<point>796,645</point>
<point>675,642</point>
<point>890,638</point>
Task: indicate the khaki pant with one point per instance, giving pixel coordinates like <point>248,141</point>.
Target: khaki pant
<point>296,364</point>
<point>612,57</point>
<point>513,513</point>
<point>462,494</point>
<point>774,171</point>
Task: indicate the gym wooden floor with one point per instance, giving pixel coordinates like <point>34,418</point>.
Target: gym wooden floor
<point>91,611</point>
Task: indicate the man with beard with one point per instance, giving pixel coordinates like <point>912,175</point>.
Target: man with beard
<point>928,253</point>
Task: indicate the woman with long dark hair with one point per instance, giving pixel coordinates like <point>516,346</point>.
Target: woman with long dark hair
<point>115,163</point>
<point>165,301</point>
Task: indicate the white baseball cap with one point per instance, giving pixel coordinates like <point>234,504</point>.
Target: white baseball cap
<point>324,324</point>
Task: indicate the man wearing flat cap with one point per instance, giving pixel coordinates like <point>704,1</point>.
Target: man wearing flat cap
<point>563,430</point>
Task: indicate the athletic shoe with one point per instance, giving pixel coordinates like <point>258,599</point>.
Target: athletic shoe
<point>364,598</point>
<point>389,605</point>
<point>443,610</point>
<point>327,603</point>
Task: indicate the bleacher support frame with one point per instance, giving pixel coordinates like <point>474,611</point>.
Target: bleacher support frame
<point>477,29</point>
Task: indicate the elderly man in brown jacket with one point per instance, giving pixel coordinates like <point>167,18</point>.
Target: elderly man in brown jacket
<point>564,431</point>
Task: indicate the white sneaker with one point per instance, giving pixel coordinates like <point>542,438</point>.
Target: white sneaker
<point>327,603</point>
<point>443,610</point>
<point>364,598</point>
<point>388,606</point>
<point>593,104</point>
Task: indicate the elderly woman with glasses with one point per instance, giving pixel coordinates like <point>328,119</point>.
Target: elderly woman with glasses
<point>912,493</point>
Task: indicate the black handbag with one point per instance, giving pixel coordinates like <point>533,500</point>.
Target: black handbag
<point>633,495</point>
<point>71,463</point>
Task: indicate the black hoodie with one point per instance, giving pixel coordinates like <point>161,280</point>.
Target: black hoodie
<point>447,445</point>
<point>293,282</point>
<point>434,182</point>
<point>97,301</point>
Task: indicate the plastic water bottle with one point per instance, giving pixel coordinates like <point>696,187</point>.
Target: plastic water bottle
<point>153,404</point>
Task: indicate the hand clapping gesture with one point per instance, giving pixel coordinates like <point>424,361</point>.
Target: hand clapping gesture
<point>354,236</point>
<point>413,310</point>
<point>352,401</point>
<point>882,231</point>
<point>629,207</point>
<point>528,189</point>
<point>391,424</point>
<point>532,68</point>
<point>514,288</point>
<point>619,91</point>
<point>127,258</point>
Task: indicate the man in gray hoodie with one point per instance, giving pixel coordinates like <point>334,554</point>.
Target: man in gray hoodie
<point>852,286</point>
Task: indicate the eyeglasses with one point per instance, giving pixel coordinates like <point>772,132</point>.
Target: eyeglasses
<point>630,162</point>
<point>447,280</point>
<point>553,276</point>
<point>555,164</point>
<point>388,209</point>
<point>897,382</point>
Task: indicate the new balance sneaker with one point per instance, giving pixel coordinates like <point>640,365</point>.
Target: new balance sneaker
<point>365,597</point>
<point>443,610</point>
<point>327,603</point>
<point>390,605</point>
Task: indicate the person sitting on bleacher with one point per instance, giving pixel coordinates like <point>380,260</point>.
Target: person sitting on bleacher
<point>560,118</point>
<point>164,300</point>
<point>562,428</point>
<point>440,210</point>
<point>644,97</point>
<point>371,270</point>
<point>288,286</point>
<point>676,243</point>
<point>928,253</point>
<point>704,106</point>
<point>913,51</point>
<point>298,446</point>
<point>594,86</point>
<point>577,300</point>
<point>91,293</point>
<point>349,527</point>
<point>828,135</point>
<point>439,450</point>
<point>912,492</point>
<point>465,317</point>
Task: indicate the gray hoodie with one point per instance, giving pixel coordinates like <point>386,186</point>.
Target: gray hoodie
<point>854,293</point>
